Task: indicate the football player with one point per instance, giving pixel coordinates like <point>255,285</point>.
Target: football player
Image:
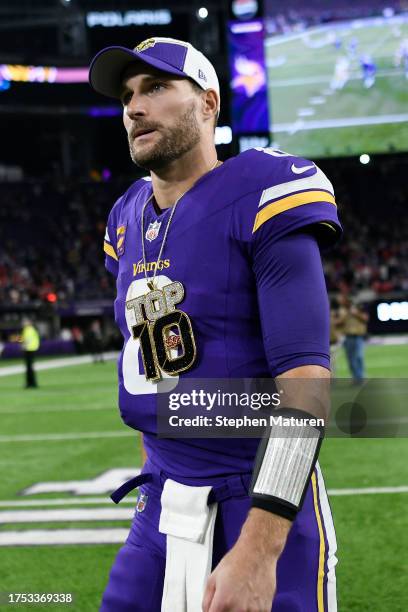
<point>219,275</point>
<point>368,70</point>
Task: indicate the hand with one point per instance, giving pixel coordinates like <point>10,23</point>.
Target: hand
<point>245,579</point>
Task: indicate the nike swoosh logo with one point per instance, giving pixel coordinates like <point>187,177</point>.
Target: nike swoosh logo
<point>301,170</point>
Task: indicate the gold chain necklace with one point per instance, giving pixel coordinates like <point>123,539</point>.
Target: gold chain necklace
<point>164,331</point>
<point>150,281</point>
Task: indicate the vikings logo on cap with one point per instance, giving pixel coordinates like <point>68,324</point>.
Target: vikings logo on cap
<point>201,75</point>
<point>146,44</point>
<point>120,245</point>
<point>153,230</point>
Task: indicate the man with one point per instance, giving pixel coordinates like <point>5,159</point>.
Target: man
<point>218,275</point>
<point>354,320</point>
<point>31,343</point>
<point>369,70</point>
<point>94,341</point>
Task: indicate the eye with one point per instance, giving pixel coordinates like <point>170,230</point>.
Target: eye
<point>157,86</point>
<point>126,97</point>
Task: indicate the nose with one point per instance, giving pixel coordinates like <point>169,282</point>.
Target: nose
<point>136,107</point>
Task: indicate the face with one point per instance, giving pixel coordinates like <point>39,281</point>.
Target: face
<point>344,301</point>
<point>160,114</point>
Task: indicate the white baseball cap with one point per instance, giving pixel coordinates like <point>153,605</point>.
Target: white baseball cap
<point>167,54</point>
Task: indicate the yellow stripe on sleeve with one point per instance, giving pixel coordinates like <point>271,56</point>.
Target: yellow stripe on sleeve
<point>292,201</point>
<point>109,250</point>
<point>322,547</point>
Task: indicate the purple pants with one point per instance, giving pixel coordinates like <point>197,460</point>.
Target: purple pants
<point>306,569</point>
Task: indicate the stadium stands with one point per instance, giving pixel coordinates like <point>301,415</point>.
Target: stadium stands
<point>54,241</point>
<point>55,234</point>
<point>372,259</point>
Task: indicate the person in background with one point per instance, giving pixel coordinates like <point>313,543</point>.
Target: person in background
<point>354,321</point>
<point>78,338</point>
<point>30,339</point>
<point>368,69</point>
<point>94,341</point>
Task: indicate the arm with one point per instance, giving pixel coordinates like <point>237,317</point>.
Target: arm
<point>341,317</point>
<point>246,577</point>
<point>265,531</point>
<point>359,314</point>
<point>295,319</point>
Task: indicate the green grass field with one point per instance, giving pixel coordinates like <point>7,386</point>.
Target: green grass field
<point>43,439</point>
<point>310,117</point>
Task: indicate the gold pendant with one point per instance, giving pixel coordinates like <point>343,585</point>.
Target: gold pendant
<point>162,329</point>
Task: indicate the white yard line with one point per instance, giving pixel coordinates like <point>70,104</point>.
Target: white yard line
<point>325,79</point>
<point>50,364</point>
<point>52,537</point>
<point>343,122</point>
<point>367,491</point>
<point>43,537</point>
<point>37,410</point>
<point>388,340</point>
<point>72,515</point>
<point>272,41</point>
<point>80,501</point>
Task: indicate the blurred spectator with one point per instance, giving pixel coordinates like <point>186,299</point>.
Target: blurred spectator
<point>353,321</point>
<point>66,334</point>
<point>30,339</point>
<point>78,338</point>
<point>94,341</point>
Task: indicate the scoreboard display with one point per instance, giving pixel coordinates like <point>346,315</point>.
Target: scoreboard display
<point>333,77</point>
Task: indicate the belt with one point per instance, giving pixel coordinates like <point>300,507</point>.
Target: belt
<point>189,533</point>
<point>129,486</point>
<point>234,486</point>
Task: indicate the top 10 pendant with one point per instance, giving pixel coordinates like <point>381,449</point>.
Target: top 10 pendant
<point>163,330</point>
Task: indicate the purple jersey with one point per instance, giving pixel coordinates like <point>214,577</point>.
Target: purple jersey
<point>220,247</point>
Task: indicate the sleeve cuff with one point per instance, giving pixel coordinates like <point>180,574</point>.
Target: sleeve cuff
<point>276,507</point>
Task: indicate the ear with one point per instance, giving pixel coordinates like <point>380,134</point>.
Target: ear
<point>209,103</point>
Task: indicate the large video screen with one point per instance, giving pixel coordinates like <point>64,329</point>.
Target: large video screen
<point>249,104</point>
<point>337,76</point>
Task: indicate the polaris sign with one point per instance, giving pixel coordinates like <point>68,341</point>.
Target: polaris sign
<point>111,19</point>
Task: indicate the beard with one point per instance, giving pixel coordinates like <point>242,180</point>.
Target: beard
<point>173,142</point>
